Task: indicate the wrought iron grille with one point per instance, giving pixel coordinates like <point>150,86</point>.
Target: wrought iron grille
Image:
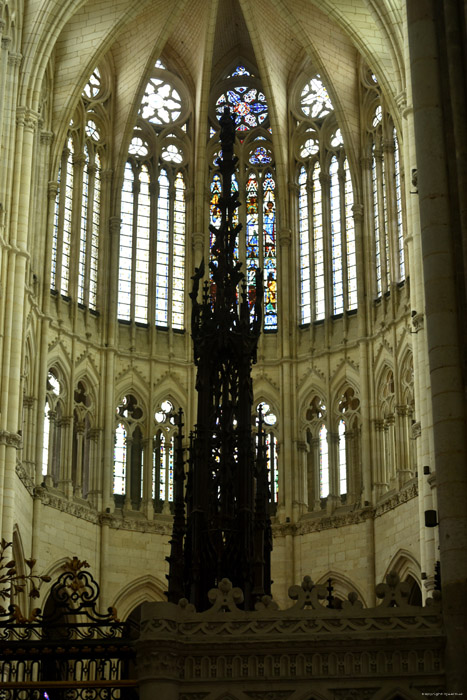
<point>70,651</point>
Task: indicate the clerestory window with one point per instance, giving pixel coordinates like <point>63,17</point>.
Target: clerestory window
<point>327,252</point>
<point>255,182</point>
<point>151,281</point>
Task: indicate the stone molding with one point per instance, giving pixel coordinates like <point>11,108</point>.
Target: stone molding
<point>308,641</point>
<point>24,477</point>
<point>11,439</point>
<point>87,512</point>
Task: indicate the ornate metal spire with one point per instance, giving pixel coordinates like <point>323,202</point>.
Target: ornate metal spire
<point>227,529</point>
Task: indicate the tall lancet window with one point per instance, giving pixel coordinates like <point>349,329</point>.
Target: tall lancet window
<point>327,254</point>
<point>270,428</point>
<point>254,181</point>
<point>385,184</point>
<point>151,284</point>
<point>75,240</point>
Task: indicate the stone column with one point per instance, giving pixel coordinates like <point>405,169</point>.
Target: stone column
<point>433,48</point>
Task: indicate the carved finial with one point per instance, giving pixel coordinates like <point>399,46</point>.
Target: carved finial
<point>308,595</point>
<point>393,592</point>
<point>225,597</point>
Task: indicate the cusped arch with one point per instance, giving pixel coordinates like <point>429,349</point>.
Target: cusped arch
<point>138,392</point>
<point>313,391</point>
<point>404,564</point>
<point>342,585</point>
<point>170,388</point>
<point>144,589</point>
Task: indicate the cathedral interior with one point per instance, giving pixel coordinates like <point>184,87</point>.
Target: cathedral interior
<point>351,152</point>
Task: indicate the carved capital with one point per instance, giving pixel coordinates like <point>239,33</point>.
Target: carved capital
<point>114,225</point>
<point>106,174</point>
<point>357,210</point>
<point>285,237</point>
<point>14,59</point>
<point>418,322</point>
<point>6,40</point>
<point>11,439</point>
<point>198,240</point>
<point>26,118</point>
<point>46,137</point>
<point>52,189</point>
<point>401,101</point>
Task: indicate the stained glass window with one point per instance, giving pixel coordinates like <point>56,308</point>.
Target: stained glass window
<point>269,253</point>
<point>400,225</point>
<point>163,250</point>
<point>342,459</point>
<point>46,437</point>
<point>93,85</point>
<point>153,211</point>
<point>77,204</point>
<point>141,252</point>
<point>161,103</point>
<point>376,222</point>
<point>336,240</point>
<point>328,275</point>
<point>260,156</point>
<point>270,421</point>
<point>239,71</point>
<point>252,242</point>
<point>89,230</point>
<point>120,460</point>
<point>248,105</point>
<point>178,253</point>
<point>254,181</point>
<point>163,454</point>
<point>67,218</point>
<point>304,232</point>
<point>315,101</point>
<point>323,463</point>
<point>126,246</point>
<point>318,244</point>
<point>351,255</point>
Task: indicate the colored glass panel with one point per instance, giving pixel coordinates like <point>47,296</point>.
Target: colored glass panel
<point>269,253</point>
<point>252,242</point>
<point>248,106</point>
